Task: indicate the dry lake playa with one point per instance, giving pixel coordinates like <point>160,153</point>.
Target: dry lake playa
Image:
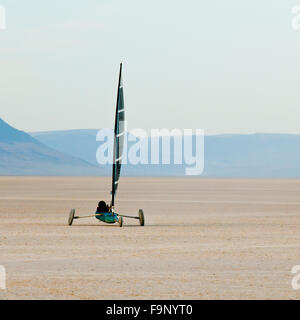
<point>203,239</point>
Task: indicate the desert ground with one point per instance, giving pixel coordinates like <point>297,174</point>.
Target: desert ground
<point>203,239</point>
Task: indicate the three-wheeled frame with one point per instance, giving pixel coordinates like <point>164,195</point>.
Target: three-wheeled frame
<point>116,217</point>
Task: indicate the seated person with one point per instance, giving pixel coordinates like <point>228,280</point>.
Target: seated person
<point>102,207</point>
<point>104,213</point>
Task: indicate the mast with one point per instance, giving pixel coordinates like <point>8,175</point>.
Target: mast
<point>116,147</point>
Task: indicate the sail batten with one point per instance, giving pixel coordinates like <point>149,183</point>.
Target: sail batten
<point>119,132</point>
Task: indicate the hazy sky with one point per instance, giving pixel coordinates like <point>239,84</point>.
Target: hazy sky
<point>224,66</point>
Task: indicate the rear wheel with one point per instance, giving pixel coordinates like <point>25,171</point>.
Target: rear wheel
<point>141,217</point>
<point>121,221</point>
<point>71,217</point>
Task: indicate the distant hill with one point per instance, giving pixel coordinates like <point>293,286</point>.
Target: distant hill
<point>82,144</point>
<point>21,154</point>
<point>78,143</point>
<point>253,155</point>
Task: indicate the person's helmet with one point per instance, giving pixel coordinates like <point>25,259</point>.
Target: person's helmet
<point>102,207</point>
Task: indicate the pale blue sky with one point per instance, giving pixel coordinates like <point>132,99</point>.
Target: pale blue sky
<point>225,66</point>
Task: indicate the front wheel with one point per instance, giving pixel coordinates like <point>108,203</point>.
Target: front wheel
<point>141,217</point>
<point>71,217</point>
<point>121,222</point>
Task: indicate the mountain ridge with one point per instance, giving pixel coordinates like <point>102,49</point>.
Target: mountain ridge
<point>22,154</point>
<point>261,155</point>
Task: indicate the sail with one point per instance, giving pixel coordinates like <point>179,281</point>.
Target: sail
<point>119,133</point>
